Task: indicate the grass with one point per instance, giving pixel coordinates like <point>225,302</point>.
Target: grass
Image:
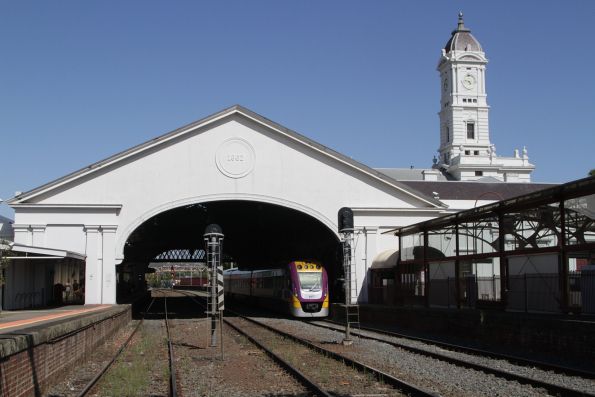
<point>132,375</point>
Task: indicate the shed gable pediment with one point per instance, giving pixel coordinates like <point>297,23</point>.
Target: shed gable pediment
<point>234,150</point>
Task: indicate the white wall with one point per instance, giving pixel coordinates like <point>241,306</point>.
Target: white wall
<point>186,170</point>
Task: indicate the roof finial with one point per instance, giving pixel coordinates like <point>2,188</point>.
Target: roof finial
<point>461,24</point>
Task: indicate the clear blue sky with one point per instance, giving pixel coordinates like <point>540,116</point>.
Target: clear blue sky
<point>82,80</point>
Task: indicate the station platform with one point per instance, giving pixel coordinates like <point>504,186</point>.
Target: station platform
<point>13,321</point>
<point>37,345</point>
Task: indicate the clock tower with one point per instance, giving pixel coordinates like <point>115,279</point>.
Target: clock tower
<point>466,152</point>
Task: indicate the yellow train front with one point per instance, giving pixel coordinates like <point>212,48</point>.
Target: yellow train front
<point>299,288</point>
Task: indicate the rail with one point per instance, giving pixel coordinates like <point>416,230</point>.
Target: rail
<point>104,369</point>
<point>550,387</point>
<point>406,387</point>
<point>172,370</point>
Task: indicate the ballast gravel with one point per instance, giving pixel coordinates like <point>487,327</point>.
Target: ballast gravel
<point>439,376</point>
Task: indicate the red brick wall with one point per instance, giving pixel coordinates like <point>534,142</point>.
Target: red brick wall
<point>26,373</point>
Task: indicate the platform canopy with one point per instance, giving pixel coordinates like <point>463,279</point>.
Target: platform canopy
<point>22,251</point>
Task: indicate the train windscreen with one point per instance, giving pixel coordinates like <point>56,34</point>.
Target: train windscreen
<point>310,280</point>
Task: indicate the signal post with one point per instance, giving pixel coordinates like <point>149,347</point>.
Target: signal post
<point>215,299</point>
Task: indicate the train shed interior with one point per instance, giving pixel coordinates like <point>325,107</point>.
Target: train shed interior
<point>256,235</point>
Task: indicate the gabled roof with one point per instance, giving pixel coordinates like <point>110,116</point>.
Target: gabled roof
<point>473,190</point>
<point>412,174</point>
<point>236,109</point>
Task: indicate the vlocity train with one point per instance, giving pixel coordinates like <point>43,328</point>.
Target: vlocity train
<point>299,288</point>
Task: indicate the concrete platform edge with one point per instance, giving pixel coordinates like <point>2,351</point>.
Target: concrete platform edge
<point>24,339</point>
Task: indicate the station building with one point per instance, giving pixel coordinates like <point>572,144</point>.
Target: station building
<point>274,191</point>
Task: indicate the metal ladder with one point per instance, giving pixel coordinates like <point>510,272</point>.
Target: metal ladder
<point>351,307</point>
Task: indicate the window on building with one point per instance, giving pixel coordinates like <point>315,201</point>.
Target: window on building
<point>447,134</point>
<point>476,152</point>
<point>478,173</point>
<point>470,130</point>
<point>464,99</point>
<point>475,101</point>
<point>467,152</point>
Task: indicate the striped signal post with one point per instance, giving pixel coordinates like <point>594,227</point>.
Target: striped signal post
<point>220,292</point>
<point>213,239</point>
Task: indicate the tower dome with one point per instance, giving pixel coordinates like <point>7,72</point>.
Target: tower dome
<point>462,39</point>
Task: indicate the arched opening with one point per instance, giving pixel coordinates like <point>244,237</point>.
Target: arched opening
<point>257,235</point>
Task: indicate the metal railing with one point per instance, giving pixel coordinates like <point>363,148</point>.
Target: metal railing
<point>529,292</point>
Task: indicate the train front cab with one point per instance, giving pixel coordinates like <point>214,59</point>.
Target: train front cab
<point>310,296</point>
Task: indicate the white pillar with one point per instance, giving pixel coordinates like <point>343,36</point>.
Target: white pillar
<point>109,264</point>
<point>93,271</point>
<point>22,234</point>
<point>38,235</point>
<point>370,251</point>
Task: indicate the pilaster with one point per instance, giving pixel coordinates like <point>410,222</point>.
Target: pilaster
<point>22,234</point>
<point>371,250</point>
<point>109,264</point>
<point>38,235</point>
<point>93,268</point>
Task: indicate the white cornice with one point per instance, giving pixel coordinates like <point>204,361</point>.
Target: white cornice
<point>113,207</point>
<point>397,210</point>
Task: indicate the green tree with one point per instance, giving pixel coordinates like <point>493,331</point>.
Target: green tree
<point>592,172</point>
<point>4,253</point>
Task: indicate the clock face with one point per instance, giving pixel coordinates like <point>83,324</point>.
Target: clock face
<point>468,81</point>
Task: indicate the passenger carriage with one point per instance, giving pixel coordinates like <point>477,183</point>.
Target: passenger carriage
<point>299,288</point>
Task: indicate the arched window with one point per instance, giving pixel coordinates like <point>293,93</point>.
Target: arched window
<point>447,134</point>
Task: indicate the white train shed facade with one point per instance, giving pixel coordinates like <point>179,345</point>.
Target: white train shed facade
<point>235,154</point>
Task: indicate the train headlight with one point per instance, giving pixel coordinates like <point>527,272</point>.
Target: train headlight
<point>299,267</point>
<point>318,267</point>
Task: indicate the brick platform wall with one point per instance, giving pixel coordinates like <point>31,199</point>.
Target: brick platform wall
<point>27,372</point>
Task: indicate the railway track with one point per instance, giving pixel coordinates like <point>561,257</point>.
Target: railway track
<point>172,379</point>
<point>275,338</point>
<point>172,371</point>
<point>308,383</point>
<point>471,350</point>
<point>553,388</point>
<point>312,385</point>
<point>398,384</point>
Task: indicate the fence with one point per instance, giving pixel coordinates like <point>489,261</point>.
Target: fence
<point>28,300</point>
<point>529,292</point>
